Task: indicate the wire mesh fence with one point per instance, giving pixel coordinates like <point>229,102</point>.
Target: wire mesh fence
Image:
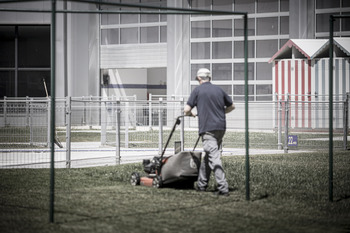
<point>92,131</point>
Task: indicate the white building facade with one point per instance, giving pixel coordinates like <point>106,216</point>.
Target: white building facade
<point>140,54</point>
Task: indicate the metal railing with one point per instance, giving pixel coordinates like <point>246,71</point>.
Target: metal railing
<point>92,129</point>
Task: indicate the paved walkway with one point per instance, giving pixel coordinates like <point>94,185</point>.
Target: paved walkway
<point>90,154</point>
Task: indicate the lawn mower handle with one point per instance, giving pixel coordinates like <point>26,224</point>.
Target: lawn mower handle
<point>177,122</point>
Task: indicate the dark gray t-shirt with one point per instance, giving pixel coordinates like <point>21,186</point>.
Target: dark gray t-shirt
<point>210,101</point>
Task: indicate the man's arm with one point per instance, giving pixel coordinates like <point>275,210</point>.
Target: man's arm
<point>187,110</point>
<point>230,108</point>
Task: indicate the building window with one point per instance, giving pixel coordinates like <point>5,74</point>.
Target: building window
<point>222,28</point>
<point>263,71</point>
<point>264,92</point>
<point>129,18</point>
<point>25,60</point>
<point>239,27</point>
<point>110,36</point>
<point>266,48</point>
<point>226,88</point>
<point>222,71</point>
<point>109,19</point>
<point>239,71</point>
<point>322,22</point>
<point>284,5</point>
<point>238,92</point>
<point>200,50</point>
<point>345,3</point>
<point>264,6</point>
<point>163,34</point>
<point>267,26</point>
<point>284,25</point>
<point>200,29</point>
<point>129,35</point>
<point>222,50</point>
<point>323,4</point>
<point>149,35</point>
<point>222,5</point>
<point>239,49</point>
<point>245,6</point>
<point>201,4</point>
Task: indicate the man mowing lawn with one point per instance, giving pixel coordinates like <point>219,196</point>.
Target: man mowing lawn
<point>212,104</point>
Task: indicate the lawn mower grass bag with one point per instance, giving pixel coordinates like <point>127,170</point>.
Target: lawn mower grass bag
<point>181,166</point>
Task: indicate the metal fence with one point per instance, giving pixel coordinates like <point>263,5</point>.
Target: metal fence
<point>93,131</point>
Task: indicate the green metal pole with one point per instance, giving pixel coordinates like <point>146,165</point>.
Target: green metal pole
<point>331,21</point>
<point>52,122</point>
<point>247,181</point>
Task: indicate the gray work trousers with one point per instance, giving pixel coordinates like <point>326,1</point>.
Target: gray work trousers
<point>212,145</point>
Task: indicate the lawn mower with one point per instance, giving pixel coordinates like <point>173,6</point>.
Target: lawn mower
<point>180,169</point>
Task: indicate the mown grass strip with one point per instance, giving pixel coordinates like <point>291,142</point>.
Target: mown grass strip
<point>289,194</point>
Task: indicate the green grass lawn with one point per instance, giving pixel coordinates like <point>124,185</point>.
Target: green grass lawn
<point>289,193</point>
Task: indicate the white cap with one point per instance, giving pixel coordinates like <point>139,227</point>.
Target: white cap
<point>203,73</point>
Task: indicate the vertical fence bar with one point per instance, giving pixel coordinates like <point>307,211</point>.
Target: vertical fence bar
<point>117,136</point>
<point>27,110</point>
<point>150,110</point>
<point>5,111</point>
<point>286,123</point>
<point>127,120</point>
<point>68,130</point>
<point>182,133</point>
<point>160,146</point>
<point>331,21</point>
<point>90,112</point>
<point>280,125</point>
<point>30,117</point>
<point>52,125</point>
<point>345,122</point>
<point>104,122</point>
<point>246,106</point>
<point>48,116</point>
<point>84,111</point>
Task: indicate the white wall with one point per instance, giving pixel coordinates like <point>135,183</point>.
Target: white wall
<point>82,52</point>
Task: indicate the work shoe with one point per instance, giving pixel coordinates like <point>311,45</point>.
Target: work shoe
<point>220,193</point>
<point>198,189</point>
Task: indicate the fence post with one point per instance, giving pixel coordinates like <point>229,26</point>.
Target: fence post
<point>104,122</point>
<point>117,136</point>
<point>48,121</point>
<point>127,120</point>
<point>5,111</point>
<point>135,112</point>
<point>150,110</point>
<point>27,110</point>
<point>84,111</point>
<point>280,145</point>
<point>68,130</point>
<point>31,122</point>
<point>182,132</point>
<point>90,112</point>
<point>286,117</point>
<point>160,146</point>
<point>345,122</point>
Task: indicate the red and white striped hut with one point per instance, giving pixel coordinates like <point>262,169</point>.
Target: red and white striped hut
<point>301,70</point>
